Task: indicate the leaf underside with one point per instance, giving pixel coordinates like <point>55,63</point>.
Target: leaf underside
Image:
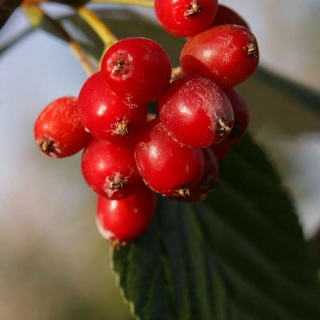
<point>238,255</point>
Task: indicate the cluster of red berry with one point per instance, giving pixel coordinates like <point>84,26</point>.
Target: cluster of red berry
<point>129,156</point>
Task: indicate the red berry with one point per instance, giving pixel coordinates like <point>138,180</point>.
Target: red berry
<point>209,180</point>
<point>241,115</point>
<point>167,166</point>
<point>185,18</point>
<point>225,15</point>
<point>58,129</point>
<point>110,169</point>
<point>195,111</point>
<point>126,219</point>
<point>106,115</point>
<point>227,54</point>
<point>241,121</point>
<point>138,69</point>
<point>222,149</point>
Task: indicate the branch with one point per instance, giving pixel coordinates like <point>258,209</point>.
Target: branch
<point>37,17</point>
<point>8,6</point>
<point>6,9</point>
<point>142,3</point>
<point>102,31</point>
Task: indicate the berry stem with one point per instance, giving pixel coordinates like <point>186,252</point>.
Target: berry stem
<point>102,31</point>
<point>142,3</point>
<point>37,17</point>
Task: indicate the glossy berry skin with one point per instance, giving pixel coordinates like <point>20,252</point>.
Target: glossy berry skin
<point>241,115</point>
<point>226,15</point>
<point>167,166</point>
<point>209,180</point>
<point>227,54</point>
<point>240,126</point>
<point>137,69</point>
<point>126,219</point>
<point>185,18</point>
<point>106,115</point>
<point>110,169</point>
<point>58,129</point>
<point>195,111</point>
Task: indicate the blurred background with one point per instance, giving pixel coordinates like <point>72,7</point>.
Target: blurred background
<point>54,264</point>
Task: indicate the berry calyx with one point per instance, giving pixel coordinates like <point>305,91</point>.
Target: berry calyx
<point>193,9</point>
<point>251,49</point>
<point>46,145</point>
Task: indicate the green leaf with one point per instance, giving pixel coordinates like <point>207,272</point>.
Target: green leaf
<point>238,255</point>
